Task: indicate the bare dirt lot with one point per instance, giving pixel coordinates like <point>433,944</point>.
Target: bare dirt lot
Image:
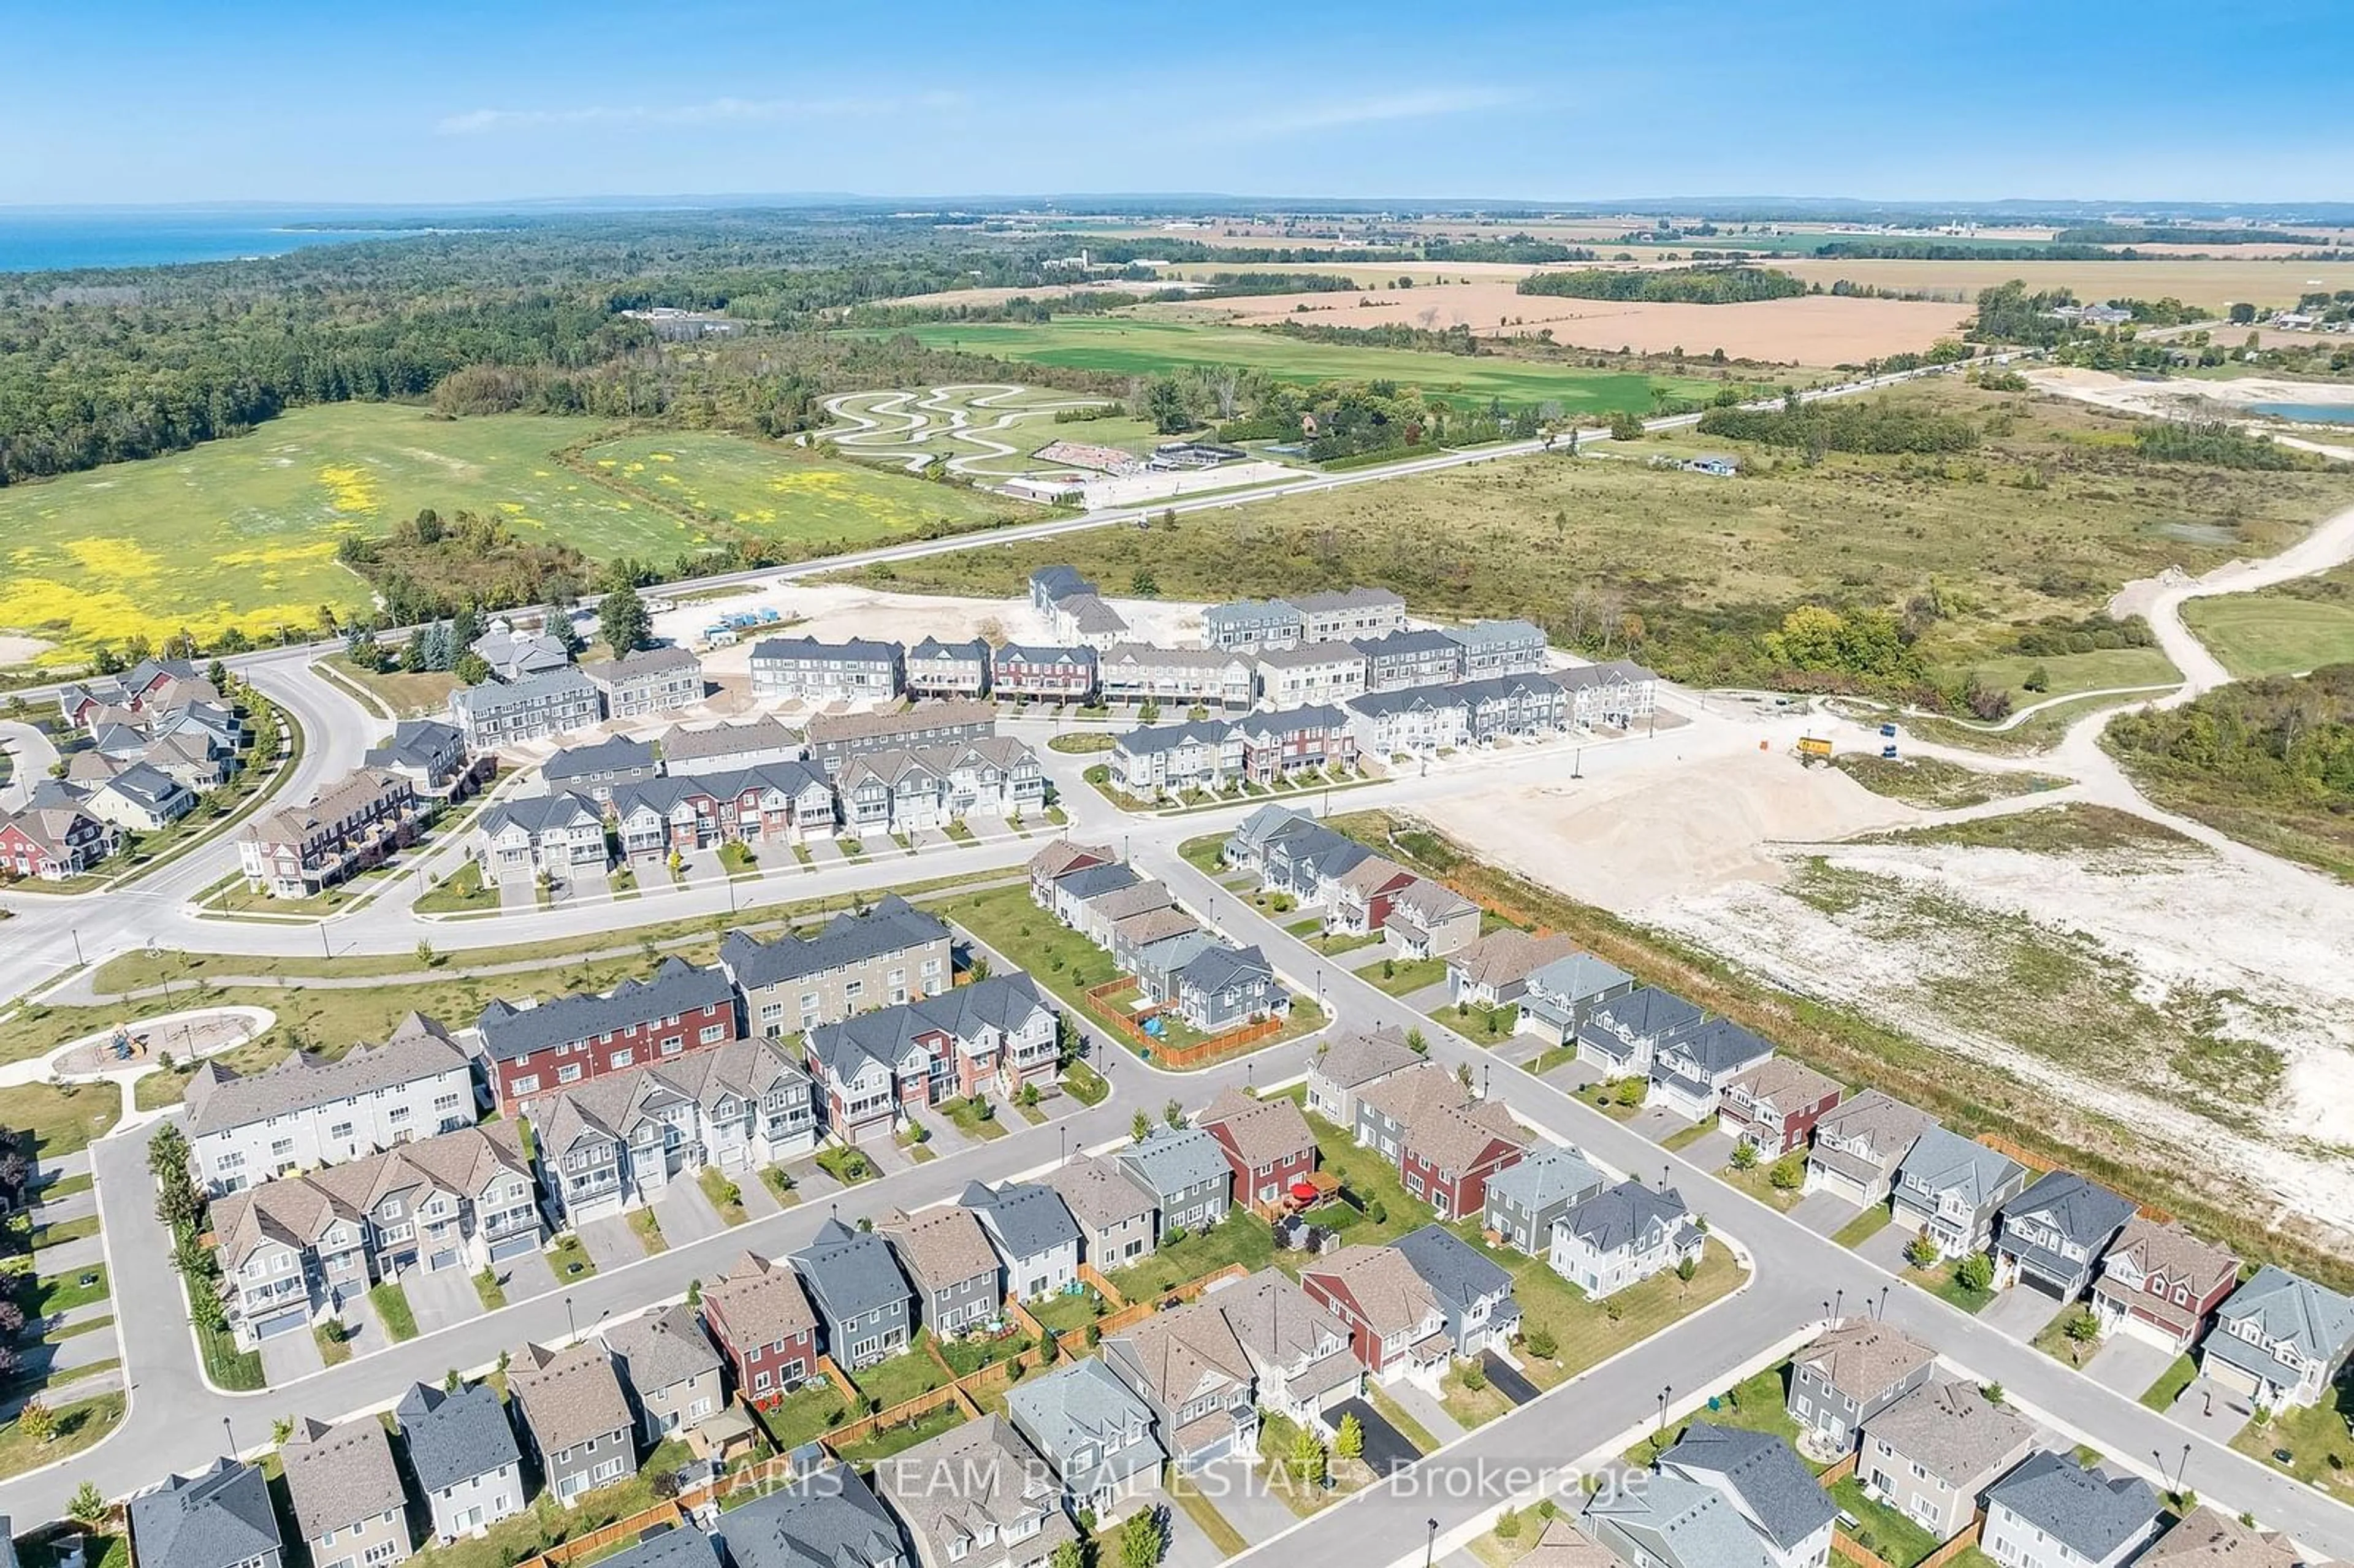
<point>1815,330</point>
<point>2213,284</point>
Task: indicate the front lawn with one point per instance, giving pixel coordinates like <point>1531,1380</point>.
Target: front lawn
<point>1241,1237</point>
<point>2320,1453</point>
<point>461,890</point>
<point>1602,1330</point>
<point>1403,977</point>
<point>974,1117</point>
<point>724,1194</point>
<point>845,1164</point>
<point>1943,1281</point>
<point>78,1426</point>
<point>2053,1339</point>
<point>1470,1406</point>
<point>1758,1182</point>
<point>55,1119</point>
<point>2160,1395</point>
<point>487,1287</point>
<point>648,1229</point>
<point>1864,1226</point>
<point>569,1260</point>
<point>1489,1026</point>
<point>779,1182</point>
<point>1085,1084</point>
<point>1205,854</point>
<point>392,1305</point>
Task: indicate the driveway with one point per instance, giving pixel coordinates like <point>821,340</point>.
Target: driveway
<point>1386,1449</point>
<point>2213,1410</point>
<point>285,1357</point>
<point>1573,1075</point>
<point>1824,1212</point>
<point>686,1214</point>
<point>2128,1364</point>
<point>1506,1377</point>
<point>1188,1547</point>
<point>1239,1491</point>
<point>2021,1312</point>
<point>525,1276</point>
<point>1429,999</point>
<point>1658,1123</point>
<point>610,1242</point>
<point>440,1296</point>
<point>1885,1246</point>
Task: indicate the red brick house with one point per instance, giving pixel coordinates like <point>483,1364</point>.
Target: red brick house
<point>764,1325</point>
<point>1773,1107</point>
<point>1266,1144</point>
<point>1050,674</point>
<point>1451,1150</point>
<point>53,841</point>
<point>2161,1284</point>
<point>559,1044</point>
<point>1278,745</point>
<point>1396,1326</point>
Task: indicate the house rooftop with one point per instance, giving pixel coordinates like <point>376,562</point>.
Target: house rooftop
<point>1863,1357</point>
<point>1951,1430</point>
<point>453,1438</point>
<point>2090,1513</point>
<point>340,1476</point>
<point>568,1397</point>
<point>1783,1498</point>
<point>1357,1057</point>
<point>662,1347</point>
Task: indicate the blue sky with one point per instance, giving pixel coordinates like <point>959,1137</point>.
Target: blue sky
<point>429,101</point>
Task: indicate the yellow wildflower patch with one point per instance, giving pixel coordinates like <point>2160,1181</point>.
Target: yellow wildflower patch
<point>350,489</point>
<point>112,557</point>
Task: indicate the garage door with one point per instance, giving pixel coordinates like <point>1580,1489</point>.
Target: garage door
<point>2228,1376</point>
<point>2042,1286</point>
<point>284,1323</point>
<point>514,1246</point>
<point>446,1258</point>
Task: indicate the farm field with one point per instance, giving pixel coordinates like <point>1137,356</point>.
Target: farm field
<point>1131,346</point>
<point>1706,566</point>
<point>2212,283</point>
<point>1811,330</point>
<point>243,532</point>
<point>788,493</point>
<point>2283,631</point>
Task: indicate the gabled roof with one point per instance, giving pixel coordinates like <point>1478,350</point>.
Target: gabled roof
<point>1874,1117</point>
<point>299,1210</point>
<point>809,648</point>
<point>1027,1218</point>
<point>1063,853</point>
<point>933,649</point>
<point>659,1349</point>
<point>537,814</point>
<point>612,1105</point>
<point>1948,1162</point>
<point>1151,740</point>
<point>1563,1545</point>
<point>218,1518</point>
<point>1096,1193</point>
<point>1270,726</point>
<point>1453,1138</point>
<point>455,1437</point>
<point>677,988</point>
<point>1428,903</point>
<point>1182,1352</point>
<point>760,1302</point>
<point>1713,1047</point>
<point>667,1546</point>
<point>1863,1357</point>
<point>681,743</point>
<point>2291,1310</point>
<point>1263,1132</point>
<point>1043,654</point>
<point>1405,642</point>
<point>828,1518</point>
<point>2083,1211</point>
<point>340,1476</point>
<point>1451,1266</point>
<point>568,1397</point>
<point>1308,655</point>
<point>1171,1159</point>
<point>1076,1406</point>
<point>2173,1254</point>
<point>2088,1511</point>
<point>615,754</point>
<point>642,662</point>
<point>893,926</point>
<point>1216,968</point>
<point>1645,1012</point>
<point>1496,633</point>
<point>1547,1175</point>
<point>885,1037</point>
<point>1356,1057</point>
<point>1000,1482</point>
<point>1406,699</point>
<point>1330,599</point>
<point>1156,925</point>
<point>494,697</point>
<point>1617,1216</point>
<point>2209,1539</point>
<point>1275,1320</point>
<point>1391,1296</point>
<point>1951,1430</point>
<point>1090,881</point>
<point>1577,976</point>
<point>941,1248</point>
<point>832,729</point>
<point>1500,957</point>
<point>1788,1085</point>
<point>219,1098</point>
<point>1416,1088</point>
<point>1781,1495</point>
<point>849,1272</point>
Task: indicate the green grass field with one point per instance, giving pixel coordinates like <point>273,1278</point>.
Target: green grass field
<point>783,493</point>
<point>243,532</point>
<point>2280,631</point>
<point>1126,345</point>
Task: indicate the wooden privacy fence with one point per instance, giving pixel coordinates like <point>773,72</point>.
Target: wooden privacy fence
<point>1855,1551</point>
<point>621,1530</point>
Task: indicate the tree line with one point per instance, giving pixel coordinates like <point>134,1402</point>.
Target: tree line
<point>1681,285</point>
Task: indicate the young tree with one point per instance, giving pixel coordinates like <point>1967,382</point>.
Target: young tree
<point>36,1421</point>
<point>1508,1525</point>
<point>621,616</point>
<point>471,668</point>
<point>1139,1128</point>
<point>1921,1252</point>
<point>1173,1112</point>
<point>88,1507</point>
<point>1744,1155</point>
<point>1976,1272</point>
<point>1142,1540</point>
<point>1349,1441</point>
<point>1069,1555</point>
<point>1307,1458</point>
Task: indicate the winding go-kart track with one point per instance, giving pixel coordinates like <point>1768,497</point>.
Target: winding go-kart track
<point>897,426</point>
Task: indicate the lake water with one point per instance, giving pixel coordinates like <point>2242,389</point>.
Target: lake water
<point>43,241</point>
<point>2308,413</point>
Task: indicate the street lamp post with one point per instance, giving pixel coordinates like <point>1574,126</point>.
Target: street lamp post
<point>75,932</point>
<point>1838,1304</point>
<point>1665,1390</point>
<point>323,946</point>
<point>1430,1547</point>
<point>229,1433</point>
<point>1883,1314</point>
<point>572,1328</point>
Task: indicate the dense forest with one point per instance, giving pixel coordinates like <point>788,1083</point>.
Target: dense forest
<point>1678,285</point>
<point>1851,425</point>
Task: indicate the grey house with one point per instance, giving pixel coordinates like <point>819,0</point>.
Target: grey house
<point>1618,1036</point>
<point>2052,1512</point>
<point>346,1493</point>
<point>1094,1432</point>
<point>1003,1509</point>
<point>1222,988</point>
<point>2280,1339</point>
<point>667,1546</point>
<point>1526,1199</point>
<point>857,668</point>
<point>1408,658</point>
<point>1185,1171</point>
<point>1670,1522</point>
<point>491,715</point>
<point>2051,1236</point>
<point>1859,1145</point>
<point>218,1518</point>
<point>938,669</point>
<point>670,1368</point>
<point>1488,647</point>
<point>1350,1062</point>
<point>827,1519</point>
<point>1767,1483</point>
<point>575,1418</point>
<point>1932,1455</point>
<point>593,771</point>
<point>1034,1235</point>
<point>862,1299</point>
<point>463,1456</point>
<point>1115,1216</point>
<point>1949,1189</point>
<point>1689,1073</point>
<point>1474,1291</point>
<point>946,1256</point>
<point>647,681</point>
<point>1851,1373</point>
<point>1557,996</point>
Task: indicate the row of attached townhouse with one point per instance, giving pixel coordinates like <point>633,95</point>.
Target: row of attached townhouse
<point>296,1251</point>
<point>1075,609</point>
<point>646,682</point>
<point>835,738</point>
<point>617,1141</point>
<point>1212,985</point>
<point>307,1111</point>
<point>294,852</point>
<point>890,955</point>
<point>930,787</point>
<point>552,1046</point>
<point>1330,617</point>
<point>1358,891</point>
<point>858,669</point>
<point>1413,720</point>
<point>991,1038</point>
<point>1140,673</point>
<point>1222,755</point>
<point>432,756</point>
<point>535,707</point>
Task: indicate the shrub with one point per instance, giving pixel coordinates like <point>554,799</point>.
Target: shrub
<point>1788,1174</point>
<point>1744,1155</point>
<point>1974,1272</point>
<point>1921,1252</point>
<point>1539,1342</point>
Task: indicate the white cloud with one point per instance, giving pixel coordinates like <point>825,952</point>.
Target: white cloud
<point>713,111</point>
